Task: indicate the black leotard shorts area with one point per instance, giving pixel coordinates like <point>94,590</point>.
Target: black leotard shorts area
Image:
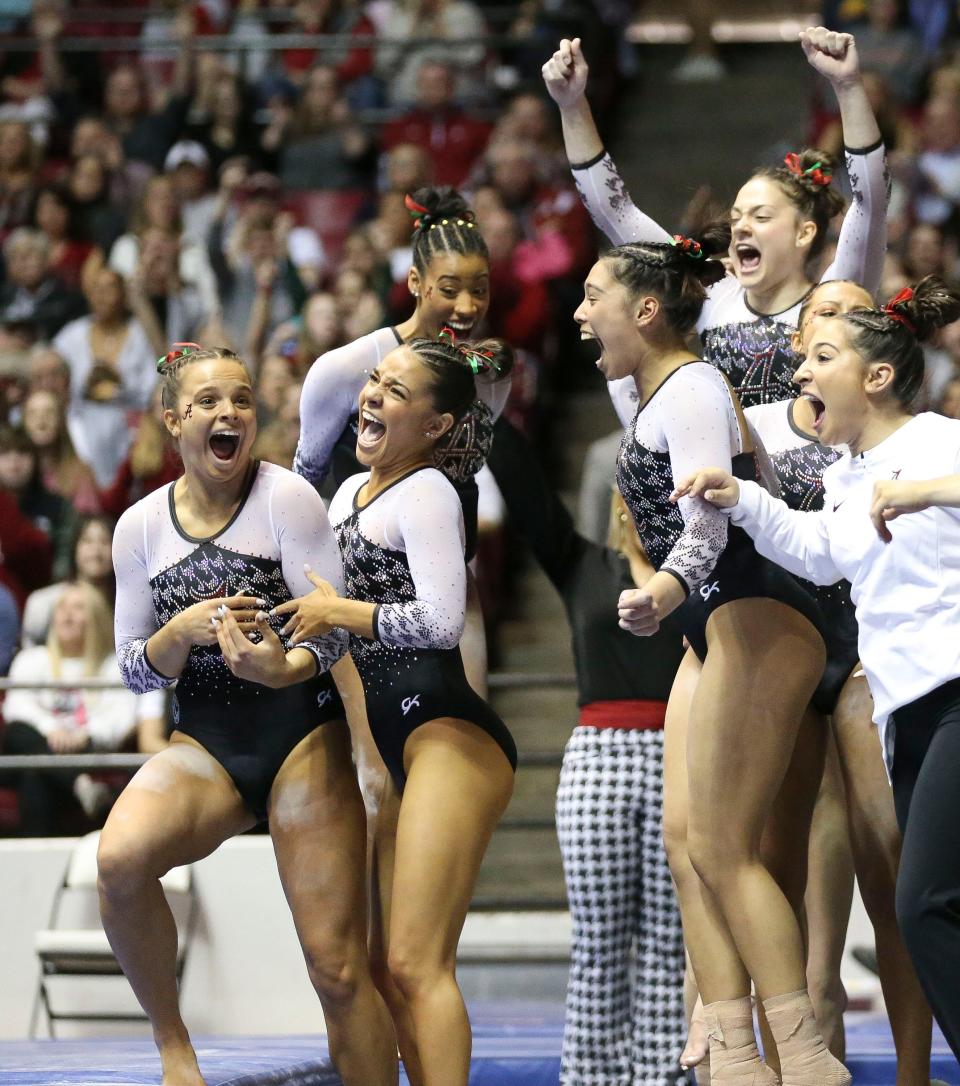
<point>741,573</point>
<point>404,688</point>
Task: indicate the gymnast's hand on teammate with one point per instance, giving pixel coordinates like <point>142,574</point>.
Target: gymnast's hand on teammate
<point>714,485</point>
<point>565,74</point>
<point>639,612</point>
<point>832,54</point>
<point>309,613</point>
<point>195,625</point>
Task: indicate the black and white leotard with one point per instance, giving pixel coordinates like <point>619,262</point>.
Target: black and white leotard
<point>753,349</point>
<point>403,550</point>
<point>279,526</point>
<point>690,421</point>
<point>328,415</point>
<point>799,461</point>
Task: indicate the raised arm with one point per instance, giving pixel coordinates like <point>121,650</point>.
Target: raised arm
<point>863,236</point>
<point>600,186</point>
<point>328,400</point>
<point>533,505</point>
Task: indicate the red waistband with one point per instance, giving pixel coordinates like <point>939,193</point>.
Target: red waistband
<point>632,714</point>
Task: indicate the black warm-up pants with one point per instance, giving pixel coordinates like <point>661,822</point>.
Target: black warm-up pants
<point>926,792</point>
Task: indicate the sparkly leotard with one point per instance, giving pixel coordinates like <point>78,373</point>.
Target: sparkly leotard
<point>753,349</point>
<point>279,526</point>
<point>690,421</point>
<point>328,418</point>
<point>403,550</point>
<point>799,462</point>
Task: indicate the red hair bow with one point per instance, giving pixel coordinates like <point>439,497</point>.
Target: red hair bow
<point>817,173</point>
<point>893,313</point>
<point>687,245</point>
<point>416,210</point>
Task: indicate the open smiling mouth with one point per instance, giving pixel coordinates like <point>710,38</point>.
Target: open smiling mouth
<point>748,257</point>
<point>586,336</point>
<point>371,430</point>
<point>224,444</point>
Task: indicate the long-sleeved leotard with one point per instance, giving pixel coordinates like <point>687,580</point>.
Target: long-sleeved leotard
<point>753,349</point>
<point>279,526</point>
<point>403,551</point>
<point>906,593</point>
<point>692,414</point>
<point>328,416</point>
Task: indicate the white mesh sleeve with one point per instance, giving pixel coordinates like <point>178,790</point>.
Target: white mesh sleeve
<point>863,235</point>
<point>604,195</point>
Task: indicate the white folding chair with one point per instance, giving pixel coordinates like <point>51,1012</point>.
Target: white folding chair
<point>84,951</point>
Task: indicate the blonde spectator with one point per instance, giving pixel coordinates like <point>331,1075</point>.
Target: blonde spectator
<point>43,721</point>
<point>112,374</point>
<point>158,210</point>
<point>62,471</point>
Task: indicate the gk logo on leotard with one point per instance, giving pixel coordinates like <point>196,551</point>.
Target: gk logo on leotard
<point>707,590</point>
<point>323,697</point>
<point>408,703</point>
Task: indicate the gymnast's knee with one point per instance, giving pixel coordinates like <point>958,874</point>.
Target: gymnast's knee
<point>334,966</point>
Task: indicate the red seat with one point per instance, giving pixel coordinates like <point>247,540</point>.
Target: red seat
<point>330,212</point>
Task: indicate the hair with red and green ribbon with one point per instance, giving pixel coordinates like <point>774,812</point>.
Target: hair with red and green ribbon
<point>818,173</point>
<point>688,247</point>
<point>479,359</point>
<point>175,354</point>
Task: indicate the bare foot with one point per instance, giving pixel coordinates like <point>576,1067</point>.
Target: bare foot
<point>698,1045</point>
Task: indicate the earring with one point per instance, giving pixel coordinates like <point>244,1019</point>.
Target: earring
<point>415,293</point>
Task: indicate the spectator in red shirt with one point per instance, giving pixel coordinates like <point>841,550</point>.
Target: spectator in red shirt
<point>452,139</point>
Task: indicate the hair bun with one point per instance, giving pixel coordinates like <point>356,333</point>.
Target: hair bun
<point>931,305</point>
<point>698,255</point>
<point>431,205</point>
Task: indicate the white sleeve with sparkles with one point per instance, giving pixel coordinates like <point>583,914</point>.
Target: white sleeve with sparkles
<point>605,197</point>
<point>428,526</point>
<point>863,235</point>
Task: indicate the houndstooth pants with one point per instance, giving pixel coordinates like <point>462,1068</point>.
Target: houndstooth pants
<point>625,1023</point>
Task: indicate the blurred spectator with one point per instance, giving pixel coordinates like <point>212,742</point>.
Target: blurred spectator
<point>274,379</point>
<point>453,140</point>
<point>896,126</point>
<point>151,462</point>
<point>352,64</point>
<point>597,481</point>
<point>20,476</point>
<point>277,442</point>
<point>113,371</point>
<point>529,119</point>
<point>938,165</point>
<point>892,49</point>
<point>459,30</point>
<point>89,186</point>
<point>48,371</point>
<point>32,294</point>
<point>125,180</point>
<point>317,143</point>
<point>390,231</point>
<point>62,471</point>
<point>20,159</point>
<point>89,561</point>
<point>321,326</point>
<point>158,210</point>
<point>228,130</point>
<point>55,216</point>
<point>40,721</point>
<point>540,208</point>
<point>26,554</point>
<point>361,254</point>
<point>188,166</point>
<point>407,166</point>
<point>925,253</point>
<point>358,306</point>
<point>519,304</point>
<point>170,310</point>
<point>146,136</point>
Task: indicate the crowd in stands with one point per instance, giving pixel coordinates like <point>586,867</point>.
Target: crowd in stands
<point>191,171</point>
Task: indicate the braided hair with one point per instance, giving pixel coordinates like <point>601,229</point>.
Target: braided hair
<point>894,332</point>
<point>443,223</point>
<point>806,179</point>
<point>454,367</point>
<point>171,365</point>
<point>677,272</point>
